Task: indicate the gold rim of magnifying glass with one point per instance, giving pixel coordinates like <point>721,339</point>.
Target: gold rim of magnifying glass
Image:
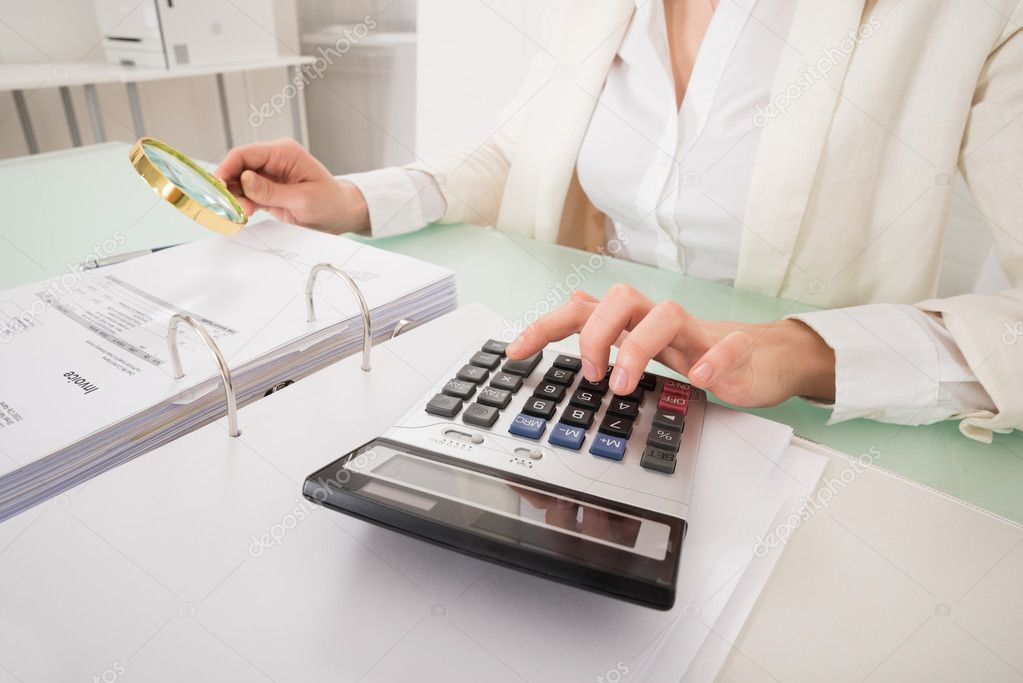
<point>176,196</point>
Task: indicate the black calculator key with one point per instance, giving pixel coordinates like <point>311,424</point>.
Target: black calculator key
<point>491,396</point>
<point>570,363</point>
<point>585,398</point>
<point>665,439</point>
<point>648,381</point>
<point>577,417</point>
<point>459,388</point>
<point>445,406</point>
<point>480,415</point>
<point>554,392</point>
<point>659,461</point>
<point>615,425</point>
<point>539,407</point>
<point>599,388</point>
<point>662,418</point>
<point>472,373</point>
<point>559,376</point>
<point>636,395</point>
<point>623,407</point>
<point>523,367</point>
<point>482,359</point>
<point>495,347</point>
<point>502,380</point>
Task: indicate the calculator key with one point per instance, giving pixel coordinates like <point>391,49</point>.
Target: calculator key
<point>658,460</point>
<point>495,347</point>
<point>540,407</point>
<point>648,381</point>
<point>585,399</point>
<point>599,388</point>
<point>616,425</point>
<point>567,436</point>
<point>673,386</point>
<point>471,373</point>
<point>570,363</point>
<point>502,380</point>
<point>523,367</point>
<point>636,396</point>
<point>554,392</point>
<point>605,446</point>
<point>443,405</point>
<point>559,376</point>
<point>623,407</point>
<point>527,426</point>
<point>492,396</point>
<point>665,439</point>
<point>459,388</point>
<point>668,420</point>
<point>482,359</point>
<point>577,417</point>
<point>673,403</point>
<point>480,415</point>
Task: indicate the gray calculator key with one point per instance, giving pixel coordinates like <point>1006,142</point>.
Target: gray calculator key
<point>503,380</point>
<point>570,363</point>
<point>659,461</point>
<point>494,346</point>
<point>480,415</point>
<point>445,406</point>
<point>662,418</point>
<point>472,373</point>
<point>492,396</point>
<point>665,439</point>
<point>525,366</point>
<point>482,359</point>
<point>459,389</point>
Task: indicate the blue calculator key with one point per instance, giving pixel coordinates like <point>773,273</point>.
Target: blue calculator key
<point>567,436</point>
<point>528,426</point>
<point>605,446</point>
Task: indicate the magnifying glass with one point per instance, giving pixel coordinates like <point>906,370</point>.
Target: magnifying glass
<point>188,186</point>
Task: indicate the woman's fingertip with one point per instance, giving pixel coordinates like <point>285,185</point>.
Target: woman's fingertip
<point>702,372</point>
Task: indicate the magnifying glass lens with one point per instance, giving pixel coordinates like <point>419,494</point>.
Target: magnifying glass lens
<point>191,182</point>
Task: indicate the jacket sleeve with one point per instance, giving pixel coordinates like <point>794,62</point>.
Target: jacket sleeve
<point>472,179</point>
<point>989,328</point>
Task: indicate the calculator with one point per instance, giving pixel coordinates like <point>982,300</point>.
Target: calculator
<point>528,464</point>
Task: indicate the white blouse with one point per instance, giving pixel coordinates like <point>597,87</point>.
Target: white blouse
<point>673,184</point>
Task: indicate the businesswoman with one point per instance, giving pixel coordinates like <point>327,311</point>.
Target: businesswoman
<point>799,148</point>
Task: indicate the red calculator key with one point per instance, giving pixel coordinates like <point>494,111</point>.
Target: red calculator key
<point>673,386</point>
<point>673,403</point>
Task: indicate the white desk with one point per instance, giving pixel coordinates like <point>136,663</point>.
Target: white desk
<point>18,77</point>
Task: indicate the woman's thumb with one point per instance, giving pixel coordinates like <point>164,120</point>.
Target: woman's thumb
<point>263,191</point>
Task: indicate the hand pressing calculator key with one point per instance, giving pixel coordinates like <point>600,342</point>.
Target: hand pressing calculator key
<point>529,464</point>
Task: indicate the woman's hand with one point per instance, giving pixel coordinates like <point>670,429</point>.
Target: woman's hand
<point>286,180</point>
<point>744,364</point>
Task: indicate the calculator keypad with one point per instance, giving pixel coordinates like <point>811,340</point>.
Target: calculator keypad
<point>568,423</point>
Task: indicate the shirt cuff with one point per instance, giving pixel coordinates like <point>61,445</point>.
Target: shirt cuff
<point>886,363</point>
<point>399,200</point>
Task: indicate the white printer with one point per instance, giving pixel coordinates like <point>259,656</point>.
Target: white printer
<point>168,34</point>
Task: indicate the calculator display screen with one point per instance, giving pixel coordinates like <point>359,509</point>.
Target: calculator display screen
<point>492,505</point>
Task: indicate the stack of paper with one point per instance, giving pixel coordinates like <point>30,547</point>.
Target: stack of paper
<point>85,374</point>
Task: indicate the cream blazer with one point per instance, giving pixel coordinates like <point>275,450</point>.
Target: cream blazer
<point>851,185</point>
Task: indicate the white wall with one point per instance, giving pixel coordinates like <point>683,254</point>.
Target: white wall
<point>184,112</point>
<point>472,57</point>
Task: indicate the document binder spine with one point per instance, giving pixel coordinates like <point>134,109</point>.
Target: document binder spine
<point>310,308</point>
<point>225,371</point>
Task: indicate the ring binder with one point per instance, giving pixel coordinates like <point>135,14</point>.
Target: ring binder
<point>225,371</point>
<point>310,309</point>
<point>402,325</point>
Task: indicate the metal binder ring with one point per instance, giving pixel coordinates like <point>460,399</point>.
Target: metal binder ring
<point>402,325</point>
<point>225,371</point>
<point>310,310</point>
